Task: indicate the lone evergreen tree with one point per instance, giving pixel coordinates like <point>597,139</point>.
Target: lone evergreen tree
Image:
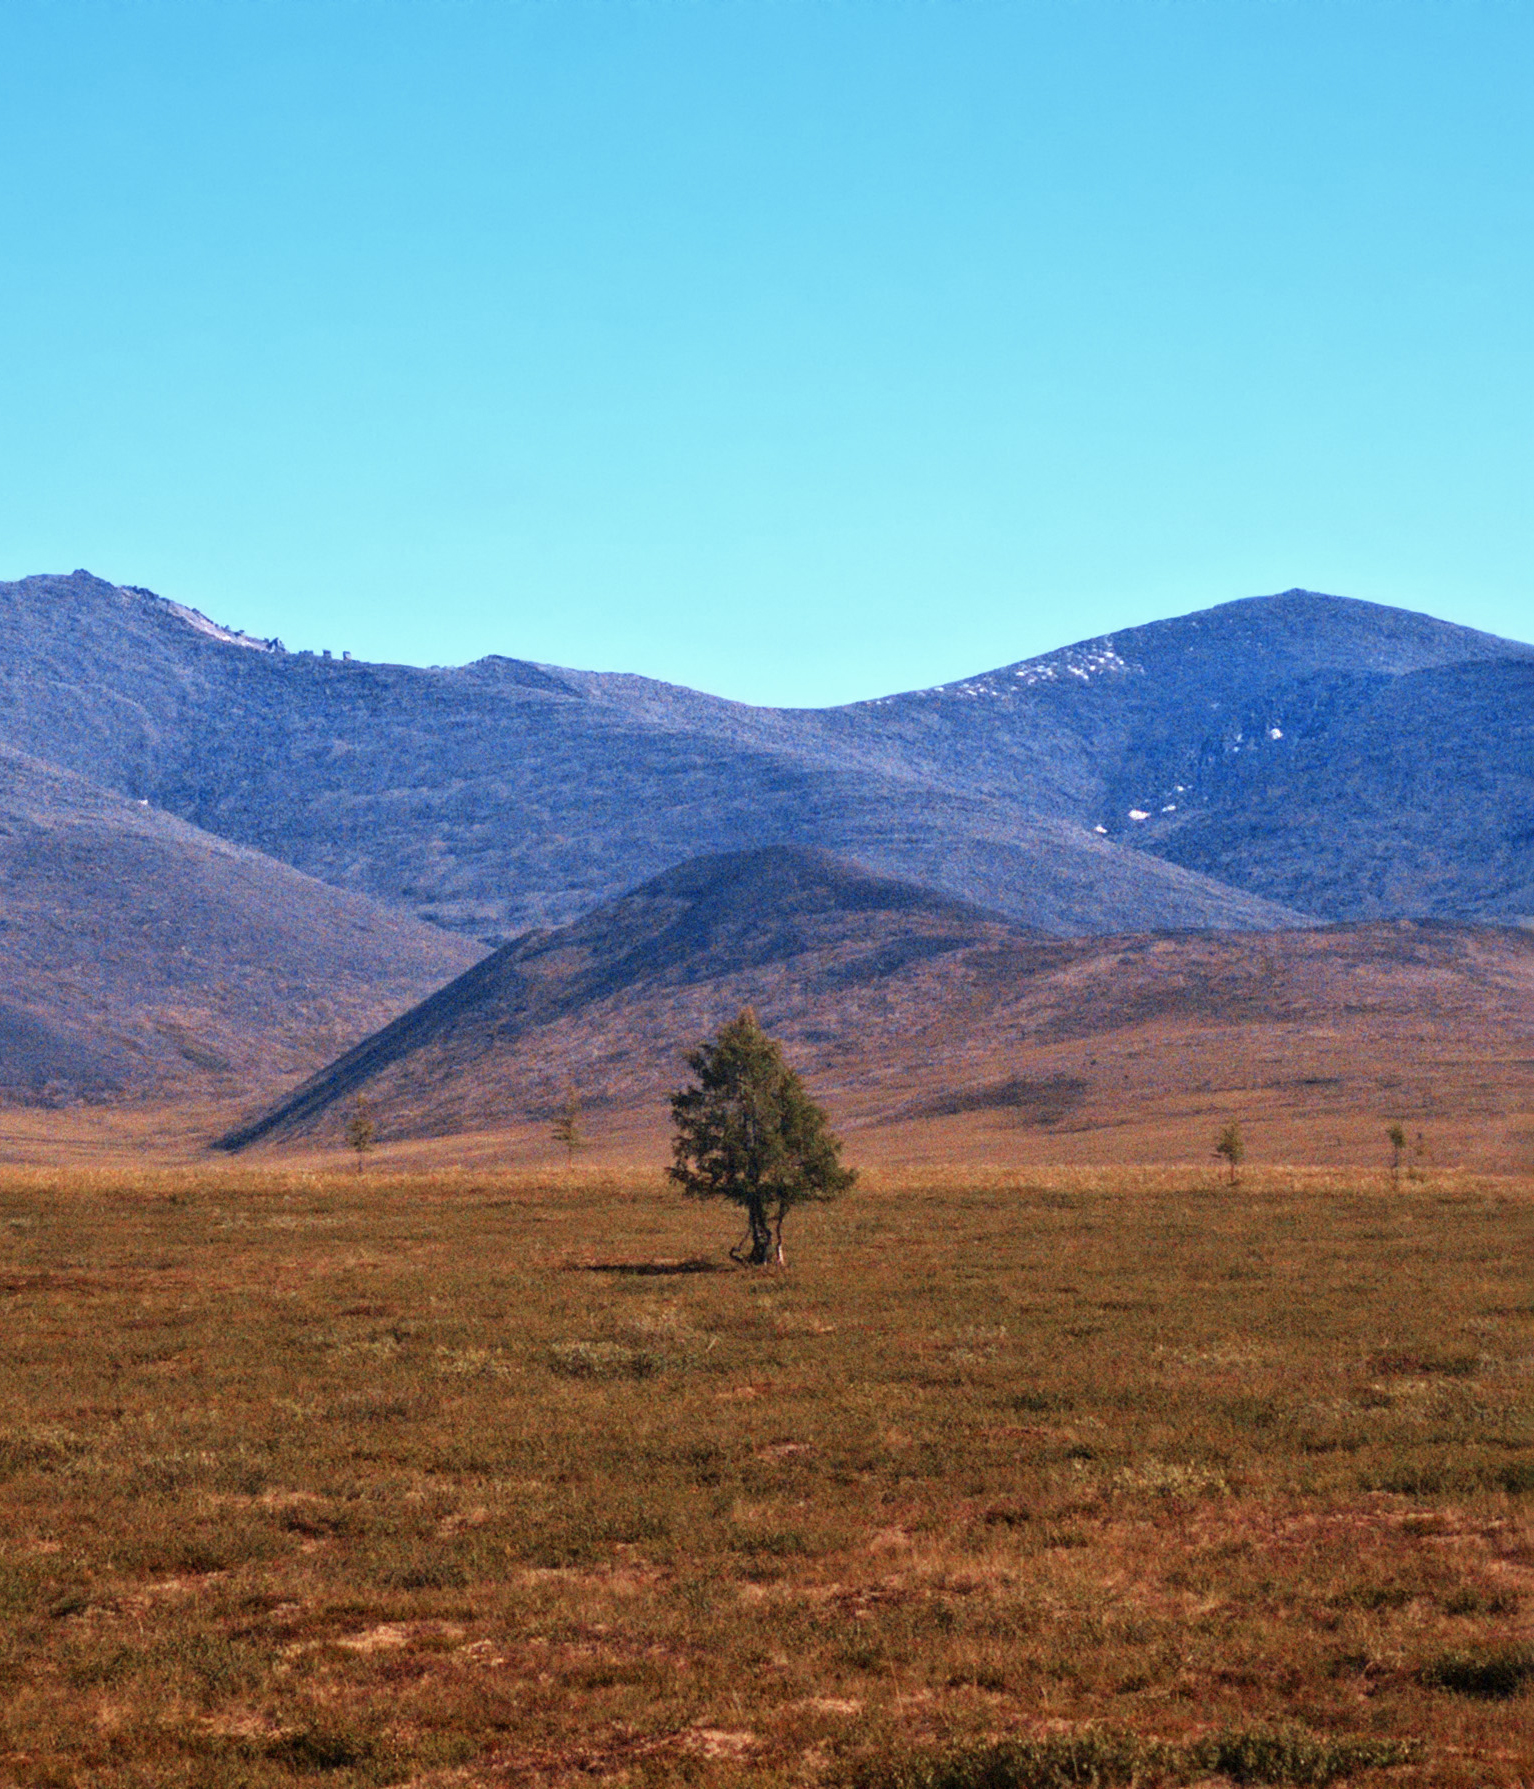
<point>1233,1147</point>
<point>750,1133</point>
<point>1396,1137</point>
<point>567,1124</point>
<point>360,1130</point>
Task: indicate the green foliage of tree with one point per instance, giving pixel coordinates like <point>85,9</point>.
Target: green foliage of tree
<point>747,1131</point>
<point>567,1127</point>
<point>361,1132</point>
<point>1232,1146</point>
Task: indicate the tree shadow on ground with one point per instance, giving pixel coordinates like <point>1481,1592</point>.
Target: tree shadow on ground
<point>646,1268</point>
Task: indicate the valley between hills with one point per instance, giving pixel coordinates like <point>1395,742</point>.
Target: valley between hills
<point>1272,861</point>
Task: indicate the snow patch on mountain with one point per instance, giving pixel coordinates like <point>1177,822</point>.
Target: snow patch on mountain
<point>194,618</point>
<point>1092,659</point>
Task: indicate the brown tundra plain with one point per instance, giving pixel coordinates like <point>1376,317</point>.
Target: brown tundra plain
<point>1038,1478</point>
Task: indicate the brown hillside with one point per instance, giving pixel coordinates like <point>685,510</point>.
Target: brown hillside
<point>145,958</point>
<point>938,1032</point>
<point>609,996</point>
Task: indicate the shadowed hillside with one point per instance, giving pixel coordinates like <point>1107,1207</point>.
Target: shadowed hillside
<point>143,956</point>
<point>923,1018</point>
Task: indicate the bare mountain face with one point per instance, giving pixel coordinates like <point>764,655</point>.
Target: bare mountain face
<point>503,795</point>
<point>908,1009</point>
<point>141,956</point>
<point>1261,764</point>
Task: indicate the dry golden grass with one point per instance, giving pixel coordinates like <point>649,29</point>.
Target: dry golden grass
<point>449,1479</point>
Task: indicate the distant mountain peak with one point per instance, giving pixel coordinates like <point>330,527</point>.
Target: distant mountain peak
<point>1307,629</point>
<point>1258,763</point>
<point>519,673</point>
<point>85,583</point>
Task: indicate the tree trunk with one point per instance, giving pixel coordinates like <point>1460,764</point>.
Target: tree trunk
<point>761,1236</point>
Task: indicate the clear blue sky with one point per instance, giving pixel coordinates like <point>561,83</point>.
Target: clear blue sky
<point>798,350</point>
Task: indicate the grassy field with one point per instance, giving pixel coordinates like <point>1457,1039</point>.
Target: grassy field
<point>461,1480</point>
